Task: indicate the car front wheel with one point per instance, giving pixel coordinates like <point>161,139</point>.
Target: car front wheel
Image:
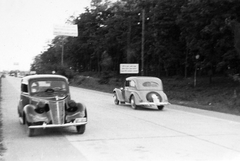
<point>116,101</point>
<point>81,129</point>
<point>30,131</point>
<point>133,104</point>
<point>21,120</point>
<point>160,107</point>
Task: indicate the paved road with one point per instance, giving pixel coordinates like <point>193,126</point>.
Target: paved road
<point>121,134</point>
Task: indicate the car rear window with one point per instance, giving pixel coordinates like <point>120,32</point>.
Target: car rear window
<point>150,84</point>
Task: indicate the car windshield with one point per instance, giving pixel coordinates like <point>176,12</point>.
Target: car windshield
<point>43,85</point>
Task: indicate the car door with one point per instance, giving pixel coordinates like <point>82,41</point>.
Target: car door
<point>24,98</point>
<point>25,94</point>
<point>129,87</point>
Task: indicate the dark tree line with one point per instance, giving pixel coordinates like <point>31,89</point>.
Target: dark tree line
<point>179,36</point>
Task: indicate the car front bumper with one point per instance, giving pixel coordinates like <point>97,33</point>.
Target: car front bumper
<point>76,122</point>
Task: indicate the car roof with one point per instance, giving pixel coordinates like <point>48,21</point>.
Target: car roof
<point>26,79</point>
<point>141,79</point>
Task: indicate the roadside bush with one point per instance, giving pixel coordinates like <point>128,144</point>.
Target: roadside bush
<point>65,71</point>
<point>105,77</point>
<point>78,80</point>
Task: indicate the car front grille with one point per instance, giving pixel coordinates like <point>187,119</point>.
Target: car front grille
<point>57,111</point>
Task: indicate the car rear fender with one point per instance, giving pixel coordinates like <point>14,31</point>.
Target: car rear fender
<point>136,97</point>
<point>164,97</point>
<point>119,94</point>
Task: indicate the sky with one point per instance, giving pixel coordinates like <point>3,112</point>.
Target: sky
<point>27,27</point>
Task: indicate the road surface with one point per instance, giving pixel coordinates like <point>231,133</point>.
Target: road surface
<point>119,133</point>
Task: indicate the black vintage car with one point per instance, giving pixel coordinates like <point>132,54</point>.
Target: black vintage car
<point>45,102</point>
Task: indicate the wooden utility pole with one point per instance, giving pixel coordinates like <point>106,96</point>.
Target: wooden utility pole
<point>62,52</point>
<point>143,30</point>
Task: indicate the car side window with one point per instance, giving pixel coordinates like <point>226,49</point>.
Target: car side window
<point>127,83</point>
<point>24,88</point>
<point>132,84</point>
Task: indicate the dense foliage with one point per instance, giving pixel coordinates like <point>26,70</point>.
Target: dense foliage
<point>179,37</point>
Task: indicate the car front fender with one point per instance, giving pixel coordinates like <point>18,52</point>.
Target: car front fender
<point>32,116</point>
<point>119,94</point>
<point>79,112</point>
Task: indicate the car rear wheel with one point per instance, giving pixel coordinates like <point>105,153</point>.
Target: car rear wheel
<point>116,101</point>
<point>133,104</point>
<point>160,107</point>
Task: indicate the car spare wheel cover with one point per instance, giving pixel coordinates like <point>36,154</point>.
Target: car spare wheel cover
<point>150,96</point>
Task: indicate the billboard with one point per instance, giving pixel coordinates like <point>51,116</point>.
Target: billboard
<point>65,30</point>
<point>129,69</point>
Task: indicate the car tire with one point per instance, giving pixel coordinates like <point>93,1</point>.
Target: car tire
<point>24,118</point>
<point>81,129</point>
<point>30,131</point>
<point>116,101</point>
<point>133,103</point>
<point>160,107</point>
<point>20,120</point>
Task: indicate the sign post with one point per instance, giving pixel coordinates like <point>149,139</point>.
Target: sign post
<point>65,30</point>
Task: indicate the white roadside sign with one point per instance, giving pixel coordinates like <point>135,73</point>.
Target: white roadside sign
<point>33,72</point>
<point>65,30</point>
<point>129,69</point>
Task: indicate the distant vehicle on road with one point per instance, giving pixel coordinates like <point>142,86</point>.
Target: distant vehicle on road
<point>45,102</point>
<point>2,75</point>
<point>141,91</point>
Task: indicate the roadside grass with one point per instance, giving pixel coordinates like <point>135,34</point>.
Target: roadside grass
<point>222,95</point>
